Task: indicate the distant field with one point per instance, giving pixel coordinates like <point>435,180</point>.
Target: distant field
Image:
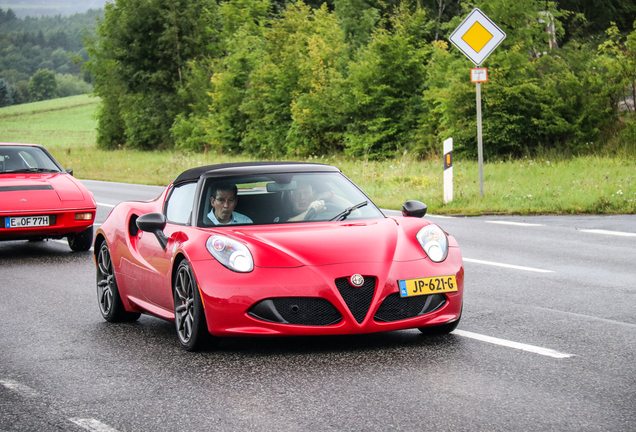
<point>591,184</point>
<point>53,123</point>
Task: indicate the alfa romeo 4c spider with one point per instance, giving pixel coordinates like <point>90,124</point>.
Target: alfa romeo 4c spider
<point>275,249</point>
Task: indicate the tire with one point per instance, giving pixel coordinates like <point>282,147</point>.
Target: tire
<point>109,301</point>
<point>189,317</point>
<point>82,241</point>
<point>441,329</point>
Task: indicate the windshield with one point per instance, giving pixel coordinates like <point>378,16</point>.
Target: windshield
<point>17,159</point>
<point>283,198</point>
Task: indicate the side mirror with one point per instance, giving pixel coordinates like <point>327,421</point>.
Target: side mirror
<point>414,208</point>
<point>69,171</point>
<point>154,223</point>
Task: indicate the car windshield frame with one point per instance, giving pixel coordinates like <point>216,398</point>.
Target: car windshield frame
<point>266,198</point>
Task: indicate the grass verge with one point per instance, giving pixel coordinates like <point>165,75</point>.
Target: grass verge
<point>594,184</point>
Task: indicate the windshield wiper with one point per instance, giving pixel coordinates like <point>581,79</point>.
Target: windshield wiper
<point>346,212</point>
<point>32,170</point>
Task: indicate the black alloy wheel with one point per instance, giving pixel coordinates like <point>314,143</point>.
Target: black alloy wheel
<point>110,304</point>
<point>189,316</point>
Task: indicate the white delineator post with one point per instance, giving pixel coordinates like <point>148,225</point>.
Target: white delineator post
<point>448,170</point>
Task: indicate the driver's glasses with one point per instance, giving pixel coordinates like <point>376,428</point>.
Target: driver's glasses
<point>222,201</point>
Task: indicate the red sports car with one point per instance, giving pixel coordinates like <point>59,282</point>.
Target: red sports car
<point>275,249</point>
<point>40,200</point>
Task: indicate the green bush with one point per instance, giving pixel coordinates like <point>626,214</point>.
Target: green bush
<point>43,86</point>
<point>6,94</point>
<point>385,86</point>
<point>72,85</point>
<point>138,59</point>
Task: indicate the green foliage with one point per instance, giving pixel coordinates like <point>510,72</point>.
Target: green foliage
<point>8,16</point>
<point>6,95</point>
<point>21,92</point>
<point>29,44</point>
<point>43,86</point>
<point>139,57</point>
<point>367,78</point>
<point>534,98</point>
<point>71,85</point>
<point>215,89</point>
<point>599,15</point>
<point>358,20</point>
<point>385,87</point>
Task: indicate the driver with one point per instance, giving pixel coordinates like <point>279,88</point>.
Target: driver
<point>305,198</point>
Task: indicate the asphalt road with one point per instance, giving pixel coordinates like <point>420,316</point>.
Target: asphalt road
<point>546,342</point>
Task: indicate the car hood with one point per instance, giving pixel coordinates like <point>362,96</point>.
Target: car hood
<point>41,192</point>
<point>378,240</point>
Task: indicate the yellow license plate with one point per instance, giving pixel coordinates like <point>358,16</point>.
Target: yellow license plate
<point>430,285</point>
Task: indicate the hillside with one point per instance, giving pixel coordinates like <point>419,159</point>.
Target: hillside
<point>37,8</point>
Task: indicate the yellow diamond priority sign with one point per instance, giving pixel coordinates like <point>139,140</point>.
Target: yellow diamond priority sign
<point>477,36</point>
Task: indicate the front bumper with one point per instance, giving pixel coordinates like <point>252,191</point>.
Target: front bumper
<point>314,300</point>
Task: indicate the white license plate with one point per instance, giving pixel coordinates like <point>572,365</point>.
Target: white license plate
<point>429,285</point>
<point>26,221</point>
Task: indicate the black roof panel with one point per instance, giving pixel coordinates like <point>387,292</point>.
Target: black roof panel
<point>247,168</point>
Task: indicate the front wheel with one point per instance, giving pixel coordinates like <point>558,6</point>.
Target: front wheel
<point>110,304</point>
<point>442,329</point>
<point>189,317</point>
<point>82,241</point>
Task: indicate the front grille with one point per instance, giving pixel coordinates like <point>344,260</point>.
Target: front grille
<point>395,308</point>
<point>296,310</point>
<point>358,300</point>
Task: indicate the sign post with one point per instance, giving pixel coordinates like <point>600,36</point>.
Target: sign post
<point>477,36</point>
<point>448,170</point>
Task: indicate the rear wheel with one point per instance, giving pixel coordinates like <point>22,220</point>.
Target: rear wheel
<point>82,241</point>
<point>110,304</point>
<point>189,317</point>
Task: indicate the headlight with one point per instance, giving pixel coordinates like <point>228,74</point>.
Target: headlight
<point>434,242</point>
<point>232,254</point>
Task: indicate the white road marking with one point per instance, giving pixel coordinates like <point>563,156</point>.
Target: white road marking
<point>516,345</point>
<point>438,216</point>
<point>513,223</point>
<point>106,205</point>
<point>92,425</point>
<point>610,321</point>
<point>606,232</point>
<point>516,267</point>
<point>19,388</point>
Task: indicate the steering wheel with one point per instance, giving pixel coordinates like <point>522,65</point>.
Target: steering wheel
<point>329,207</point>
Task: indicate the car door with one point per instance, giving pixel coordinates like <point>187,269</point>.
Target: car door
<point>156,285</point>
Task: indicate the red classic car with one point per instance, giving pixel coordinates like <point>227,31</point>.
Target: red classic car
<point>40,200</point>
<point>275,249</point>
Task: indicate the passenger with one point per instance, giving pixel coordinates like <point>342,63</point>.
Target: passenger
<point>223,200</point>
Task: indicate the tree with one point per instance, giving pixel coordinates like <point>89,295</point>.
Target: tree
<point>43,86</point>
<point>139,58</point>
<point>7,16</point>
<point>6,97</point>
<point>385,86</point>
